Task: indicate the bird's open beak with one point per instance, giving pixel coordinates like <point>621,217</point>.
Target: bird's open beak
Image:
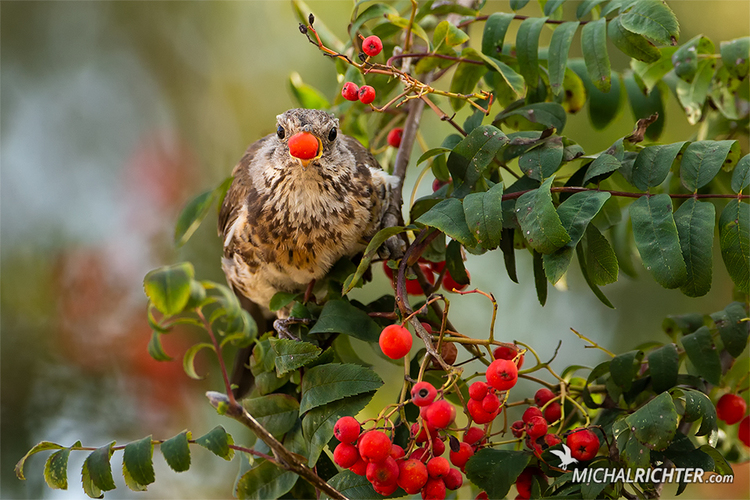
<point>305,148</point>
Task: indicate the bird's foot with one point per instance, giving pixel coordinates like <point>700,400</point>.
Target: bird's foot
<point>282,327</point>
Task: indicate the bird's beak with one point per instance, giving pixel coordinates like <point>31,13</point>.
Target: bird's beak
<point>305,148</point>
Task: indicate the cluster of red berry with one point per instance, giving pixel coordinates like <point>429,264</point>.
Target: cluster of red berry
<point>731,408</point>
<point>430,270</point>
<point>371,46</point>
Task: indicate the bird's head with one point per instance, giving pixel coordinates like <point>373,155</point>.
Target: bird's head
<point>306,137</point>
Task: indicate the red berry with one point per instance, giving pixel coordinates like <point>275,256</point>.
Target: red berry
<point>454,480</point>
<point>397,451</point>
<point>552,439</point>
<point>346,429</point>
<point>730,408</point>
<point>304,145</point>
<point>394,137</point>
<point>743,431</point>
<point>531,412</point>
<point>553,412</point>
<point>477,412</point>
<point>388,270</point>
<point>372,45</point>
<point>395,341</point>
<point>346,455</point>
<point>366,94</point>
<point>460,457</point>
<point>412,285</point>
<point>412,476</point>
<point>523,482</point>
<point>491,403</point>
<point>478,390</point>
<point>421,454</point>
<point>437,267</point>
<point>502,374</point>
<point>536,427</point>
<point>434,489</point>
<point>518,428</point>
<point>583,444</point>
<point>383,473</point>
<point>449,284</point>
<point>374,446</point>
<point>359,468</point>
<point>423,393</point>
<point>482,496</point>
<point>436,185</point>
<point>385,490</point>
<point>506,352</point>
<point>542,396</point>
<point>438,467</point>
<point>474,436</point>
<point>440,414</point>
<point>438,447</point>
<point>350,91</point>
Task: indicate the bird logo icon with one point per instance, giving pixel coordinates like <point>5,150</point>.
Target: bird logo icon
<point>565,457</point>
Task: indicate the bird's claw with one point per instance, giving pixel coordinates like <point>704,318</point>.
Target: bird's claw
<point>282,325</point>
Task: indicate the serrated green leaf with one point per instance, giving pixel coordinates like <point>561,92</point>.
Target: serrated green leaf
<point>469,160</point>
<point>741,174</point>
<point>514,81</point>
<point>735,54</point>
<point>702,160</point>
<point>632,452</point>
<point>734,240</point>
<point>698,406</point>
<point>318,423</point>
<point>652,18</point>
<point>276,412</point>
<point>664,364</point>
<point>644,105</point>
<point>340,316</point>
<point>188,361</point>
<point>484,216</point>
<point>43,446</point>
<point>56,469</point>
<point>137,460</point>
<point>448,216</point>
<point>685,59</point>
<point>168,287</point>
<point>99,469</point>
<point>601,259</point>
<point>494,32</point>
<point>537,116</point>
<point>527,49</point>
<point>586,6</point>
<point>542,160</point>
<point>326,383</point>
<point>733,330</point>
<point>217,441</point>
<point>91,489</point>
<point>370,253</point>
<point>692,96</point>
<point>653,164</point>
<point>703,354</point>
<point>466,77</point>
<point>651,74</point>
<point>265,481</point>
<point>539,221</point>
<point>624,368</point>
<point>655,423</point>
<point>191,217</point>
<point>559,46</point>
<point>594,48</point>
<point>657,240</point>
<point>632,44</point>
<point>176,451</point>
<point>495,471</point>
<point>352,486</point>
<point>292,354</point>
<point>695,225</point>
<point>602,165</point>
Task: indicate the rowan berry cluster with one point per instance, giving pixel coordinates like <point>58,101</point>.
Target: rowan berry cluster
<point>430,270</point>
<point>371,46</point>
<point>731,408</point>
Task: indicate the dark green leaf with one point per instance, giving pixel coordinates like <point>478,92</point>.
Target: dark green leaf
<point>720,463</point>
<point>508,74</point>
<point>603,106</point>
<point>655,423</point>
<point>652,18</point>
<point>432,152</point>
<point>698,406</point>
<point>192,216</point>
<point>692,96</point>
<point>176,451</point>
<point>703,354</point>
<point>664,364</point>
<point>326,383</point>
<point>352,486</point>
<point>632,44</point>
<point>695,225</point>
<point>470,158</point>
<point>543,160</point>
<point>644,105</point>
<point>685,59</point>
<point>518,4</point>
<point>281,299</point>
<point>265,481</point>
<point>601,259</point>
<point>56,469</point>
<point>538,116</point>
<point>653,164</point>
<point>651,74</point>
<point>585,7</point>
<point>527,49</point>
<point>733,330</point>
<point>494,33</point>
<point>340,316</point>
<point>551,6</point>
<point>318,423</point>
<point>734,239</point>
<point>484,216</point>
<point>603,164</point>
<point>43,446</point>
<point>594,48</point>
<point>168,287</point>
<point>735,54</point>
<point>683,323</point>
<point>448,216</point>
<point>495,471</point>
<point>370,252</point>
<point>88,484</point>
<point>657,241</point>
<point>509,253</point>
<point>293,354</point>
<point>466,77</point>
<point>455,264</point>
<point>584,271</point>
<point>741,174</point>
<point>632,453</point>
<point>539,221</point>
<point>559,46</point>
<point>702,160</point>
<point>540,282</point>
<point>137,463</point>
<point>374,11</point>
<point>217,441</point>
<point>624,368</point>
<point>276,412</point>
<point>99,469</point>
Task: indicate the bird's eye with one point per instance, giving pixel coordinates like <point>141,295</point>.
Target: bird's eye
<point>280,132</point>
<point>332,134</point>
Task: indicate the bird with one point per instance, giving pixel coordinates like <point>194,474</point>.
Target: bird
<point>301,199</point>
<point>565,457</point>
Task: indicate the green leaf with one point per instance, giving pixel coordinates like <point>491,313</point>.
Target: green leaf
<point>484,216</point>
<point>540,282</point>
<point>644,105</point>
<point>542,160</point>
<point>652,18</point>
<point>454,263</point>
<point>43,446</point>
<point>340,316</point>
<point>137,460</point>
<point>655,423</point>
<point>527,49</point>
<point>325,383</point>
<point>741,174</point>
<point>603,164</point>
<point>585,7</point>
<point>575,214</point>
<point>404,23</point>
<point>370,252</point>
<point>265,481</point>
<point>651,74</point>
<point>559,46</point>
<point>624,368</point>
<point>217,441</point>
<point>466,77</point>
<point>293,354</point>
<point>632,44</point>
<point>702,160</point>
<point>176,451</point>
<point>276,412</point>
<point>432,152</point>
<point>470,158</point>
<point>653,164</point>
<point>733,330</point>
<point>698,406</point>
<point>508,74</point>
<point>281,299</point>
<point>539,221</point>
<point>734,240</point>
<point>455,36</point>
<point>657,240</point>
<point>374,11</point>
<point>494,32</point>
<point>518,4</point>
<point>695,225</point>
<point>692,96</point>
<point>306,96</point>
<point>188,361</point>
<point>192,216</point>
<point>509,253</point>
<point>601,259</point>
<point>99,469</point>
<point>537,116</point>
<point>352,486</point>
<point>448,217</point>
<point>604,107</point>
<point>88,484</point>
<point>56,469</point>
<point>495,471</point>
<point>703,354</point>
<point>720,463</point>
<point>664,364</point>
<point>685,59</point>
<point>168,288</point>
<point>594,48</point>
<point>632,453</point>
<point>735,54</point>
<point>318,423</point>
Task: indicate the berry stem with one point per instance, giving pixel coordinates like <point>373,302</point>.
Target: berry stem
<point>593,345</point>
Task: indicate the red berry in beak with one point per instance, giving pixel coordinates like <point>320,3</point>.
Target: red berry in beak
<point>304,145</point>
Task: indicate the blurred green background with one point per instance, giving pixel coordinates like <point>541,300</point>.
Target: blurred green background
<point>114,114</point>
